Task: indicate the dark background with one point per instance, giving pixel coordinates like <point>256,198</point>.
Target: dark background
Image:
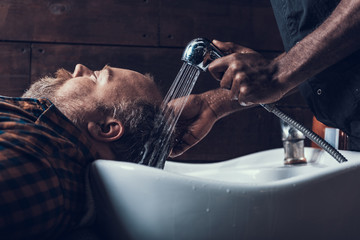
<point>39,36</point>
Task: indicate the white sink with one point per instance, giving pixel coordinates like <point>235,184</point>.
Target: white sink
<point>250,197</point>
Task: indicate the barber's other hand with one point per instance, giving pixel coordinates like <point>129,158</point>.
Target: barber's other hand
<point>194,123</point>
<point>247,73</point>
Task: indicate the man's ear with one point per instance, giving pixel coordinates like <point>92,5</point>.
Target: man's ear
<point>107,131</point>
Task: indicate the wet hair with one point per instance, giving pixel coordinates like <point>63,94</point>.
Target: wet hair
<point>139,121</point>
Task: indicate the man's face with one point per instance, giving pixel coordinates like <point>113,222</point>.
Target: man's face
<point>109,86</point>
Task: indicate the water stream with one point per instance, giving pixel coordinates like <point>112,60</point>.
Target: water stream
<point>159,146</point>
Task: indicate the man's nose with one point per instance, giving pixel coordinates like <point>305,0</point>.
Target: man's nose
<point>81,71</point>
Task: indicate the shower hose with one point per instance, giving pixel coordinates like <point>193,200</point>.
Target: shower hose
<point>308,133</point>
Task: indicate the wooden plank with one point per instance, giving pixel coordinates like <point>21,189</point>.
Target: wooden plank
<point>140,22</point>
<point>129,22</point>
<point>250,23</point>
<point>14,68</point>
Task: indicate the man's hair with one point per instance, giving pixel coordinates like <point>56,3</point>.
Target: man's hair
<point>137,116</point>
<point>139,121</point>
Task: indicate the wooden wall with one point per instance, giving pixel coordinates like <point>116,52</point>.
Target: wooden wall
<point>39,36</point>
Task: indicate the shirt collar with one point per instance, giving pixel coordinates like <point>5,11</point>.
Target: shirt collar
<point>44,112</point>
<point>55,119</point>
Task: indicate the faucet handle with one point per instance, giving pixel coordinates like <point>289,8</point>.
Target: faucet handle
<point>293,142</point>
<point>289,132</point>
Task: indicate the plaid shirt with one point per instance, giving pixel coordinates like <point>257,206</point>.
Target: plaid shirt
<point>43,158</point>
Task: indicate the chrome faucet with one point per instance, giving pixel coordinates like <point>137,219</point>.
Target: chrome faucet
<point>293,142</point>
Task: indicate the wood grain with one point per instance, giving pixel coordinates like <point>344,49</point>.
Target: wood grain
<point>14,68</point>
<point>130,22</point>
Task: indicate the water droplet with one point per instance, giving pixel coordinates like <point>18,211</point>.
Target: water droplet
<point>228,191</point>
<point>207,210</point>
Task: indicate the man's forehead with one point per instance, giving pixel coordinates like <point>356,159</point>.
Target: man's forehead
<point>130,73</point>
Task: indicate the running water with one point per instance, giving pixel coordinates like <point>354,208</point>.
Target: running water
<point>159,146</point>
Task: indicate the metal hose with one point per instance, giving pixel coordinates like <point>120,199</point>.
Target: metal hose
<point>308,133</point>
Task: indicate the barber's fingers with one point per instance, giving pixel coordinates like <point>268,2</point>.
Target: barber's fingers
<point>239,78</point>
<point>245,98</point>
<point>219,66</point>
<point>182,145</point>
<point>240,88</point>
<point>230,47</point>
<point>228,77</point>
<point>225,47</point>
<point>233,76</point>
<point>179,149</point>
<point>239,85</point>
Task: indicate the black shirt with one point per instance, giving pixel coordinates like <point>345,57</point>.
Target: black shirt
<point>333,95</point>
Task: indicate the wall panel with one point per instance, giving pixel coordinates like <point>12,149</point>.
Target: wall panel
<point>14,68</point>
<point>139,22</point>
<point>131,22</point>
<point>250,23</point>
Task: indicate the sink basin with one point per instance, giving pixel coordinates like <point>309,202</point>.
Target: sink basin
<point>250,197</point>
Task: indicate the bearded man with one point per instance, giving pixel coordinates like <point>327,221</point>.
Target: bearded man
<point>50,135</point>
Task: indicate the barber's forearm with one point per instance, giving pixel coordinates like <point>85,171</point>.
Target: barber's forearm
<point>332,41</point>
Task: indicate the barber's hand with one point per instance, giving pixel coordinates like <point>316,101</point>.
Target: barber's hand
<point>194,123</point>
<point>247,73</point>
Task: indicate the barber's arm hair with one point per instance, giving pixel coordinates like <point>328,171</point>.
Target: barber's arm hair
<point>336,38</point>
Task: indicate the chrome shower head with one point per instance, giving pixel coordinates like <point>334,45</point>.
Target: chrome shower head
<point>200,52</point>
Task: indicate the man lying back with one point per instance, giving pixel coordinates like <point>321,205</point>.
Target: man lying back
<point>50,135</point>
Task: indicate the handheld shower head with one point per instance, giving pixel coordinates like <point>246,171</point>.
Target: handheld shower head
<point>200,52</point>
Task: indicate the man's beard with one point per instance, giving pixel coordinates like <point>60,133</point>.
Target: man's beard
<point>47,87</point>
